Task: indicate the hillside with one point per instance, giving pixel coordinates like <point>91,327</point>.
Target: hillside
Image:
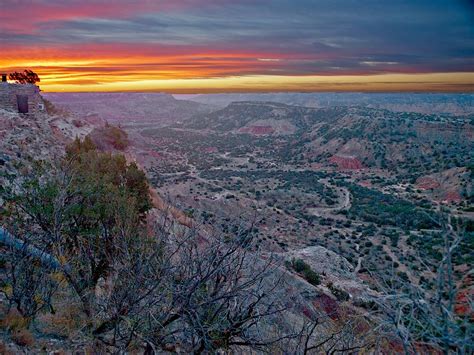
<point>313,215</point>
<point>26,140</point>
<point>352,136</point>
<point>397,141</point>
<point>280,118</point>
<point>38,137</point>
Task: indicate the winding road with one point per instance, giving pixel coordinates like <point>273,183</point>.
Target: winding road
<point>343,203</point>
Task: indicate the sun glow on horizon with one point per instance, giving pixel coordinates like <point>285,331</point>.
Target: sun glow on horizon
<point>206,74</point>
<point>435,82</point>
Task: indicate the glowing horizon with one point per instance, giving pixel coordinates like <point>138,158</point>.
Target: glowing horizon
<point>432,82</point>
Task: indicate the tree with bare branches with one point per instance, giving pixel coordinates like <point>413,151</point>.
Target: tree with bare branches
<point>141,278</point>
<point>421,318</point>
<point>170,287</point>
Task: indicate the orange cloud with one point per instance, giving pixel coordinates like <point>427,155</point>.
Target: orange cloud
<point>198,68</point>
<point>129,62</point>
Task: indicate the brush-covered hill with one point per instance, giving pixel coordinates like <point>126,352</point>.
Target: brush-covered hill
<point>397,141</point>
<point>262,118</point>
<point>351,137</point>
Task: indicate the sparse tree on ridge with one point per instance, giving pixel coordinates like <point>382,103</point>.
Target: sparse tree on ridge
<point>431,320</point>
<point>27,77</point>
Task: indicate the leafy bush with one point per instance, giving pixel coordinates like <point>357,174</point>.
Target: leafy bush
<point>312,277</point>
<point>95,202</point>
<point>305,270</point>
<point>299,265</point>
<point>109,137</point>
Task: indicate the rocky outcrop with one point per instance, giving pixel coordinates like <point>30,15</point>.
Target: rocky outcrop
<point>336,273</point>
<point>9,94</point>
<point>324,261</point>
<point>33,137</point>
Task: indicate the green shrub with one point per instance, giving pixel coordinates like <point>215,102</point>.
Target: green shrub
<point>299,265</point>
<point>305,270</point>
<point>312,277</point>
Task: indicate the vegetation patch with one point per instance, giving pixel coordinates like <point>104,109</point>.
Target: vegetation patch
<point>305,270</point>
<point>384,209</point>
<point>109,137</point>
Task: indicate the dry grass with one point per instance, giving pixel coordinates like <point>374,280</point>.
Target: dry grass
<point>14,321</point>
<point>23,337</point>
<point>66,322</point>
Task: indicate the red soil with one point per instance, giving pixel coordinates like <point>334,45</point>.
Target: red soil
<point>452,196</point>
<point>346,162</point>
<point>316,166</point>
<point>427,183</point>
<point>328,305</point>
<point>463,297</point>
<point>155,154</point>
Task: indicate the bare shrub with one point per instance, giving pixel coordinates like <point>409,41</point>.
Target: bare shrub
<point>429,319</point>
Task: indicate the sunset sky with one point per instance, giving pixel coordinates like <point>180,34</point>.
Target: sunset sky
<point>241,45</point>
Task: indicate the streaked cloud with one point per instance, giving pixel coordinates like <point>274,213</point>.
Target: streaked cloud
<point>100,42</point>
